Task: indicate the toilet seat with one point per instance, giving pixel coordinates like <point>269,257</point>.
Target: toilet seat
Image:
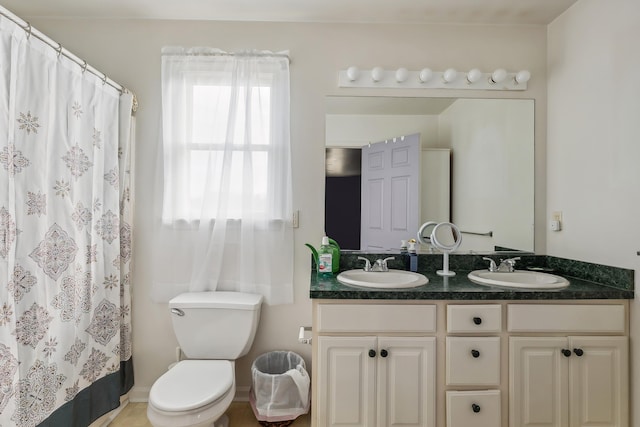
<point>192,384</point>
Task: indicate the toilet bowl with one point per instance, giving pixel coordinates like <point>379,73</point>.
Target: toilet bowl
<point>213,329</point>
<point>193,393</point>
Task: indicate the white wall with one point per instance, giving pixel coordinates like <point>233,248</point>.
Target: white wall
<point>493,151</point>
<point>358,130</point>
<point>129,52</point>
<point>593,158</point>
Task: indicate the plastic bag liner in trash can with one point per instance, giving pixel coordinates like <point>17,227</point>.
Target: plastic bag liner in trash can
<point>280,386</point>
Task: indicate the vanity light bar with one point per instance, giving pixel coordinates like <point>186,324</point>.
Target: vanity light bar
<point>475,79</point>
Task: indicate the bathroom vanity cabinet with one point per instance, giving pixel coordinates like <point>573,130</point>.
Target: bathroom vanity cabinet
<point>563,370</point>
<point>451,363</point>
<point>376,365</point>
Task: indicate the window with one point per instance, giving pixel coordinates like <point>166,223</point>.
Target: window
<point>222,133</point>
<point>226,187</point>
<point>249,153</point>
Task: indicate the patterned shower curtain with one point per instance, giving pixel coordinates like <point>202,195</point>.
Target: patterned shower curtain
<point>65,237</point>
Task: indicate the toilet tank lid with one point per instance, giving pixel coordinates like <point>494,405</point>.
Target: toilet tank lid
<point>223,299</point>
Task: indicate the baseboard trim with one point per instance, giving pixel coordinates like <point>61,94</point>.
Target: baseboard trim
<point>242,394</point>
<point>139,394</point>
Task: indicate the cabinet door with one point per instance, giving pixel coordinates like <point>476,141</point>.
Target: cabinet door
<point>406,381</point>
<point>598,381</point>
<point>538,385</point>
<point>347,388</point>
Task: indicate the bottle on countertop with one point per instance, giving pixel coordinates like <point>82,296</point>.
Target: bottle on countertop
<point>325,258</point>
<point>334,266</point>
<point>413,256</point>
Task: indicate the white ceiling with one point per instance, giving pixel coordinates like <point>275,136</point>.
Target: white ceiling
<point>540,12</point>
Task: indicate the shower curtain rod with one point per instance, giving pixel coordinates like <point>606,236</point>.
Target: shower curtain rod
<point>31,31</point>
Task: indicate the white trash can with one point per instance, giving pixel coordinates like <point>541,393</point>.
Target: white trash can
<point>279,388</point>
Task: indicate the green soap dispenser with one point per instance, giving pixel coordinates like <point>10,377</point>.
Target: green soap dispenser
<point>325,258</point>
<point>334,249</point>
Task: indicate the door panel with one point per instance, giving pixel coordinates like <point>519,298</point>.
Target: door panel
<point>390,192</point>
<point>406,381</point>
<point>599,381</point>
<point>538,390</point>
<point>347,381</point>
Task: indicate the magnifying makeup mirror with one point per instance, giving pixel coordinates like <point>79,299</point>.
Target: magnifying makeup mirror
<point>445,237</point>
<point>424,233</point>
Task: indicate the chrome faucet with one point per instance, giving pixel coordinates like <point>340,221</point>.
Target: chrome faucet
<point>492,264</point>
<point>367,263</point>
<point>378,265</point>
<point>381,264</point>
<point>508,265</point>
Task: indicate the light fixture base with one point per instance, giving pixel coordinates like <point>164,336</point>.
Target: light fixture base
<point>387,79</point>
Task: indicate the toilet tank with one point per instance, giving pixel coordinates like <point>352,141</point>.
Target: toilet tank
<point>215,325</point>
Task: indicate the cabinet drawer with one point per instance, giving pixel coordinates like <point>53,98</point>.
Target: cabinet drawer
<point>578,318</point>
<point>354,318</point>
<point>473,361</point>
<point>483,318</point>
<point>473,408</point>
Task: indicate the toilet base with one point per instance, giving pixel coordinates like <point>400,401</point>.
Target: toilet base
<point>223,421</point>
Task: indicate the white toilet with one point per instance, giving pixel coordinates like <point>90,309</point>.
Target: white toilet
<point>213,330</point>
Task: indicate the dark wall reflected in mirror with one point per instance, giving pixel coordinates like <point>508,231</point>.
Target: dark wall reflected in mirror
<point>342,195</point>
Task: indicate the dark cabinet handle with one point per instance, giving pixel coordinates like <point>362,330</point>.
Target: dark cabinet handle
<point>475,407</point>
<point>384,353</point>
<point>477,320</point>
<point>566,352</point>
<point>578,351</point>
<point>475,353</point>
<point>372,353</point>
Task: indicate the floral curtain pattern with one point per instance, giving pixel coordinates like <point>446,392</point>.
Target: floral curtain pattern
<point>65,236</point>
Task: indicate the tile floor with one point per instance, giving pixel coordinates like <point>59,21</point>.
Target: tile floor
<point>240,415</point>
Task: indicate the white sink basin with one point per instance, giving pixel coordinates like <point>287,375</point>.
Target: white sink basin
<point>392,279</point>
<point>519,279</point>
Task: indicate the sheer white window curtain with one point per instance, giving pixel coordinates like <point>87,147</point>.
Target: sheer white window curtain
<point>226,195</point>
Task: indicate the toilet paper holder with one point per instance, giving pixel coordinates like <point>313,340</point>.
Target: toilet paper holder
<point>302,339</point>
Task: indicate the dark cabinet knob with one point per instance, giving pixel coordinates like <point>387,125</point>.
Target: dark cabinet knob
<point>384,353</point>
<point>477,320</point>
<point>372,353</point>
<point>578,351</point>
<point>475,407</point>
<point>475,353</point>
<point>566,352</point>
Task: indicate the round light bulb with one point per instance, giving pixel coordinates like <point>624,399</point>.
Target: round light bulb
<point>376,74</point>
<point>474,75</point>
<point>402,74</point>
<point>353,73</point>
<point>449,75</point>
<point>425,75</point>
<point>498,75</point>
<point>523,76</point>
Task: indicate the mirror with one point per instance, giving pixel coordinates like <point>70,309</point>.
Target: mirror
<point>477,166</point>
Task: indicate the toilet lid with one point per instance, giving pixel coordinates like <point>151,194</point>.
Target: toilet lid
<point>192,384</point>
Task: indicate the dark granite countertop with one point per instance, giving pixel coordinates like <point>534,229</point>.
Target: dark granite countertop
<point>587,281</point>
